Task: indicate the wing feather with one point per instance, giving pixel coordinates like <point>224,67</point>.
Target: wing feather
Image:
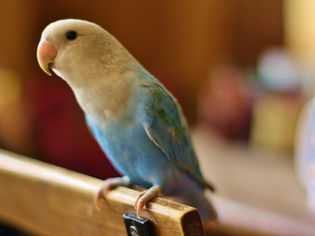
<point>167,129</point>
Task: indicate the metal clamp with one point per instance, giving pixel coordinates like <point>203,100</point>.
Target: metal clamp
<point>138,226</point>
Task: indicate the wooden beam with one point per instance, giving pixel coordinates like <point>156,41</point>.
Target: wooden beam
<point>48,200</point>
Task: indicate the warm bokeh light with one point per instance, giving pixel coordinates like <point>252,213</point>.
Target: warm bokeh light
<point>242,71</point>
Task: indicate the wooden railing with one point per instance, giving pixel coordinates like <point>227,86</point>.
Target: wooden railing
<point>47,200</point>
<point>43,199</point>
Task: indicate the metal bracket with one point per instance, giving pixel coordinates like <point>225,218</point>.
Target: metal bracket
<point>138,226</point>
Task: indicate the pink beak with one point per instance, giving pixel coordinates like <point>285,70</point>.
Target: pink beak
<point>46,53</point>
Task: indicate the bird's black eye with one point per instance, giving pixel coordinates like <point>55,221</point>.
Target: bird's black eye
<point>71,35</point>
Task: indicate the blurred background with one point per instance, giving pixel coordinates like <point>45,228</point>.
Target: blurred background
<point>242,71</point>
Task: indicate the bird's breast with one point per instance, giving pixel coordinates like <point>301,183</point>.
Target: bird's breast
<point>108,99</point>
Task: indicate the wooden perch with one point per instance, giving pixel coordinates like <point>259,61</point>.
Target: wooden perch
<point>47,200</point>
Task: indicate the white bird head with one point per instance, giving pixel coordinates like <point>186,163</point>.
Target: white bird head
<point>97,67</point>
<point>74,49</point>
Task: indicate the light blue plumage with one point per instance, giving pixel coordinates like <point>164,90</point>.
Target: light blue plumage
<point>135,120</point>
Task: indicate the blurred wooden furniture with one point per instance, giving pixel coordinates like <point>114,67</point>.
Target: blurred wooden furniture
<point>47,200</point>
<point>179,41</point>
<point>257,189</point>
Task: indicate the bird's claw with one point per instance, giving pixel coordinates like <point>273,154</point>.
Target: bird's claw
<point>107,185</point>
<point>144,197</point>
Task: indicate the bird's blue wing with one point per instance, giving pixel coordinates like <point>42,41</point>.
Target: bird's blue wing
<point>165,125</point>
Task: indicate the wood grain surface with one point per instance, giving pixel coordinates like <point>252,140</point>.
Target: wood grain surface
<point>48,200</point>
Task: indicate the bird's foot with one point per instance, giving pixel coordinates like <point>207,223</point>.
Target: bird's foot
<point>145,197</point>
<point>109,184</point>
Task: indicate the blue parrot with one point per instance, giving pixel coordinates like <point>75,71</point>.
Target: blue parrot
<point>135,120</point>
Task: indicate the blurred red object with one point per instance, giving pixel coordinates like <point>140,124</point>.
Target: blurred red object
<point>225,104</point>
<point>60,133</point>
